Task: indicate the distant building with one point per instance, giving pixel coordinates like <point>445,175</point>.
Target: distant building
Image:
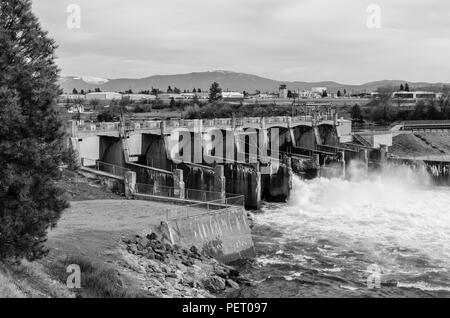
<point>166,98</point>
<point>138,97</point>
<point>232,96</point>
<point>374,95</point>
<point>202,96</point>
<point>416,95</point>
<point>188,96</point>
<point>71,97</point>
<point>103,96</point>
<point>318,90</point>
<point>76,109</point>
<point>283,91</point>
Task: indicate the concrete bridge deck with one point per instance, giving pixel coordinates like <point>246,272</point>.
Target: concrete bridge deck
<point>198,125</point>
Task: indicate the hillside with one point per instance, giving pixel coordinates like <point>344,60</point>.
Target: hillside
<point>424,145</point>
<point>228,81</point>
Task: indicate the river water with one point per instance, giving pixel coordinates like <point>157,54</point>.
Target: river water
<point>386,234</point>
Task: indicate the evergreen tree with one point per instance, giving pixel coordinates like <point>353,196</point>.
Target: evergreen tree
<point>195,100</point>
<point>169,89</point>
<point>215,92</point>
<point>155,91</point>
<point>356,113</point>
<point>289,94</point>
<point>32,138</point>
<point>75,91</point>
<point>407,87</point>
<point>173,104</point>
<point>402,88</point>
<point>339,94</point>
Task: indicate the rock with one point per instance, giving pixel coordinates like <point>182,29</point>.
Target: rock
<point>182,268</point>
<point>233,272</point>
<point>127,241</point>
<point>222,272</point>
<point>153,266</point>
<point>155,283</point>
<point>144,242</point>
<point>171,275</point>
<point>231,283</point>
<point>160,277</point>
<point>187,263</point>
<point>153,236</point>
<point>132,249</point>
<point>150,255</point>
<point>180,275</point>
<point>215,284</point>
<point>243,281</point>
<point>168,247</point>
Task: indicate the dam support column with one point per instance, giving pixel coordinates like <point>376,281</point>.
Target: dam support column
<point>317,164</point>
<point>256,181</point>
<point>219,182</point>
<point>178,184</point>
<point>318,140</point>
<point>292,137</point>
<point>364,157</point>
<point>344,164</point>
<point>383,154</point>
<point>291,133</point>
<point>130,184</point>
<point>290,176</point>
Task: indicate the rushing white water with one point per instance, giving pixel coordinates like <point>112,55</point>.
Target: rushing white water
<point>395,218</point>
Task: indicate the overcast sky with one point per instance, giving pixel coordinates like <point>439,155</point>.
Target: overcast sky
<point>306,40</point>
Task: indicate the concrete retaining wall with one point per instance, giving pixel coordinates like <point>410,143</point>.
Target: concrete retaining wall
<point>223,234</point>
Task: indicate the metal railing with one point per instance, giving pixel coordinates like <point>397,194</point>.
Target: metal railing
<point>188,211</point>
<point>190,194</point>
<point>104,167</point>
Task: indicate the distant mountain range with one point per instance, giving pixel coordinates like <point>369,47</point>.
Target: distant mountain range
<point>231,81</point>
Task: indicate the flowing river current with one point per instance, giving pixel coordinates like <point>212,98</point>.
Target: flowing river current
<point>386,234</point>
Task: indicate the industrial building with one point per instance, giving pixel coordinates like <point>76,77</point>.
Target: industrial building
<point>103,96</point>
<point>416,95</point>
<point>138,97</point>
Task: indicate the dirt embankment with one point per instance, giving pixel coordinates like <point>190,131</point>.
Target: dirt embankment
<point>425,144</point>
<point>79,187</point>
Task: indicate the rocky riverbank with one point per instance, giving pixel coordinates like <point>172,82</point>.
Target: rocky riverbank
<point>167,270</point>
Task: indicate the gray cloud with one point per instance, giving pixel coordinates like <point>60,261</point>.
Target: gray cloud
<point>308,40</point>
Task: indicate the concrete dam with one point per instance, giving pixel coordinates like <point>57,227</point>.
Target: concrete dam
<point>217,163</point>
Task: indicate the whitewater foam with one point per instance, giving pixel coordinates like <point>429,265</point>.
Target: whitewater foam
<point>395,219</point>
